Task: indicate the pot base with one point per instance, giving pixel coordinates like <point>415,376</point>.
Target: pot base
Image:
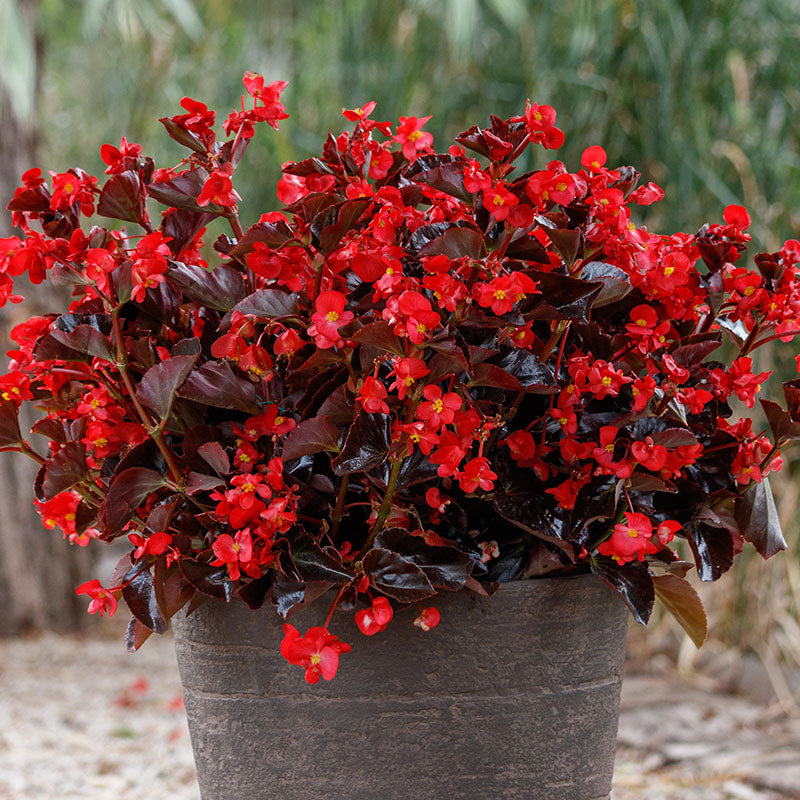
<point>514,696</point>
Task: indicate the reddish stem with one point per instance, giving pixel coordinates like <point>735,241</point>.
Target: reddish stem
<point>333,606</point>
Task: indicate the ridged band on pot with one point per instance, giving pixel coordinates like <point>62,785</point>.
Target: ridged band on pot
<point>513,696</point>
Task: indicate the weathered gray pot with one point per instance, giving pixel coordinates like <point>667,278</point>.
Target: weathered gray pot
<point>514,696</point>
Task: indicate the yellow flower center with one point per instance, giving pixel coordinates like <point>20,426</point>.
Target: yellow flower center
<point>606,380</point>
<point>668,271</point>
<point>500,295</point>
<point>414,135</point>
<point>561,186</point>
<point>633,533</point>
<point>438,406</point>
<point>421,328</point>
<point>315,659</point>
<point>332,316</point>
<point>408,380</point>
<point>280,420</point>
<point>641,323</point>
<point>498,201</point>
<point>749,290</point>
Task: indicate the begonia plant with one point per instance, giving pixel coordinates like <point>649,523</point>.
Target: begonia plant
<point>424,373</point>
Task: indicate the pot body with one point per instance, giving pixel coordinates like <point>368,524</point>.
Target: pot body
<point>513,696</point>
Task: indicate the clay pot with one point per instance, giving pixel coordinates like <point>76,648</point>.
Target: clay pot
<point>514,696</point>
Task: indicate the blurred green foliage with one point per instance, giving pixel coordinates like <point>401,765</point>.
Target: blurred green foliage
<point>701,95</point>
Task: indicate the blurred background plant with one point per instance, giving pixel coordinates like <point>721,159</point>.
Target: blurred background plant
<point>701,95</point>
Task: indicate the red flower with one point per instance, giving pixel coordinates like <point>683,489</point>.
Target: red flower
<point>604,454</point>
<point>356,114</point>
<point>650,455</point>
<point>428,618</point>
<point>630,541</point>
<point>566,418</point>
<point>666,531</point>
<point>593,158</point>
<point>521,446</point>
<point>439,409</point>
<point>291,188</point>
<point>287,343</point>
<point>120,158</point>
<point>406,372</point>
<point>420,318</point>
<point>328,318</point>
<point>647,195</point>
<point>218,189</point>
<point>643,389</point>
<point>149,262</point>
<point>410,136</point>
<point>603,380</point>
<point>154,545</point>
<point>233,552</point>
<point>477,472</point>
<point>489,550</point>
<point>70,190</point>
<point>271,423</point>
<point>540,122</point>
<point>103,600</point>
<point>499,201</point>
<point>502,292</point>
<point>375,619</point>
<point>372,396</point>
<point>318,651</point>
<point>736,216</point>
<point>448,455</point>
<point>198,119</point>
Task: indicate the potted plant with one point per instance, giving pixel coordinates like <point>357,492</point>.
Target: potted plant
<point>426,390</point>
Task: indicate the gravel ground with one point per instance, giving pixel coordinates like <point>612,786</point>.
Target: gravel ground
<point>78,721</point>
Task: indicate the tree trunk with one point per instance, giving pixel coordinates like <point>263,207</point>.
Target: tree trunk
<point>38,571</point>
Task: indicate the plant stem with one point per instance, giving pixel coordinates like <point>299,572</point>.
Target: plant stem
<point>385,507</point>
<point>769,456</point>
<point>774,337</point>
<point>336,516</point>
<point>333,606</point>
<point>236,226</point>
<point>750,340</point>
<point>155,433</point>
<point>553,341</point>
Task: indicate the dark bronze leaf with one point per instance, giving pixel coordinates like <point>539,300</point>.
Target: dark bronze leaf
<point>311,436</point>
<point>758,519</point>
<point>159,384</point>
<point>397,576</point>
<point>632,582</point>
<point>366,445</point>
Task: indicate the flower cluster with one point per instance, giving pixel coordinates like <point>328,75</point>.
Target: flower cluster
<point>423,374</point>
